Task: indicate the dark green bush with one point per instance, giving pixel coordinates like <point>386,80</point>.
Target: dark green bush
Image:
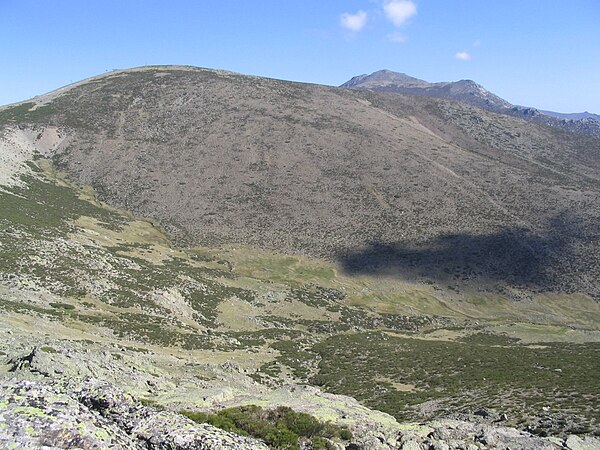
<point>346,434</point>
<point>281,428</point>
<point>300,423</point>
<point>59,305</point>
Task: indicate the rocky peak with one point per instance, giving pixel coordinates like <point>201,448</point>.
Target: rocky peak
<point>468,91</point>
<point>467,85</point>
<point>384,78</point>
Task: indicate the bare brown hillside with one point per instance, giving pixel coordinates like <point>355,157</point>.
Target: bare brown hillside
<point>417,187</point>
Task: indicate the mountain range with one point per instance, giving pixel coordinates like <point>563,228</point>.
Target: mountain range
<point>472,93</point>
<point>572,116</point>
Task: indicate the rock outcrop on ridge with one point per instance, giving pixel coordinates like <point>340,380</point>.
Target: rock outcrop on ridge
<point>468,91</point>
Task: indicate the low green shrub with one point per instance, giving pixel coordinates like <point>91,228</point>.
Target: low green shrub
<point>281,428</point>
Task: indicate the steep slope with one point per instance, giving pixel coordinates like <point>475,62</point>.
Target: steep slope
<point>418,187</point>
<point>468,91</point>
<point>89,291</point>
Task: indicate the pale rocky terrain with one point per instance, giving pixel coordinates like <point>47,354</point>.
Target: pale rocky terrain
<point>42,407</point>
<point>91,415</point>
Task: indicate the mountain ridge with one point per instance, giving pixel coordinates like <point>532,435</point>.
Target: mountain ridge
<point>472,93</point>
<point>304,166</point>
<point>572,116</point>
<point>462,90</point>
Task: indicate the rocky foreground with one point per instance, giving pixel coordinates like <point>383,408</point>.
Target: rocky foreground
<point>95,415</point>
<point>90,414</point>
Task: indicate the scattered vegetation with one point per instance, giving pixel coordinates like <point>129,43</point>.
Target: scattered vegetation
<point>25,112</point>
<point>59,305</point>
<point>46,349</point>
<point>375,367</point>
<point>350,349</point>
<point>281,428</point>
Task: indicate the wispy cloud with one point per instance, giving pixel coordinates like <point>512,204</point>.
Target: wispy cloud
<point>463,56</point>
<point>399,11</point>
<point>396,36</point>
<point>354,22</point>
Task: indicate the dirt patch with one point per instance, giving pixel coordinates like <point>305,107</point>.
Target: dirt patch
<point>17,146</point>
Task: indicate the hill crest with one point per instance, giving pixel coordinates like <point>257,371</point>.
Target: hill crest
<point>473,93</point>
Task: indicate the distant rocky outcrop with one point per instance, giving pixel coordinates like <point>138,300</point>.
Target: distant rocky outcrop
<point>474,94</point>
<point>587,125</point>
<point>464,90</point>
<point>572,116</point>
<point>385,78</point>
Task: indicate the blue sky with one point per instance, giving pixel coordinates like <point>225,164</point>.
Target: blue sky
<point>542,53</point>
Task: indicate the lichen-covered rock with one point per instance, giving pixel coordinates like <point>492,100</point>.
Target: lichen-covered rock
<point>459,434</point>
<point>36,415</point>
<point>157,429</point>
<point>86,413</point>
<point>94,415</point>
<point>586,443</point>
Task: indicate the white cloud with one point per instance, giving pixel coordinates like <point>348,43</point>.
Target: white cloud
<point>397,37</point>
<point>399,11</point>
<point>354,22</point>
<point>463,56</point>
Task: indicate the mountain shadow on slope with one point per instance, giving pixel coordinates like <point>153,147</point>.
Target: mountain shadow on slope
<point>508,258</point>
